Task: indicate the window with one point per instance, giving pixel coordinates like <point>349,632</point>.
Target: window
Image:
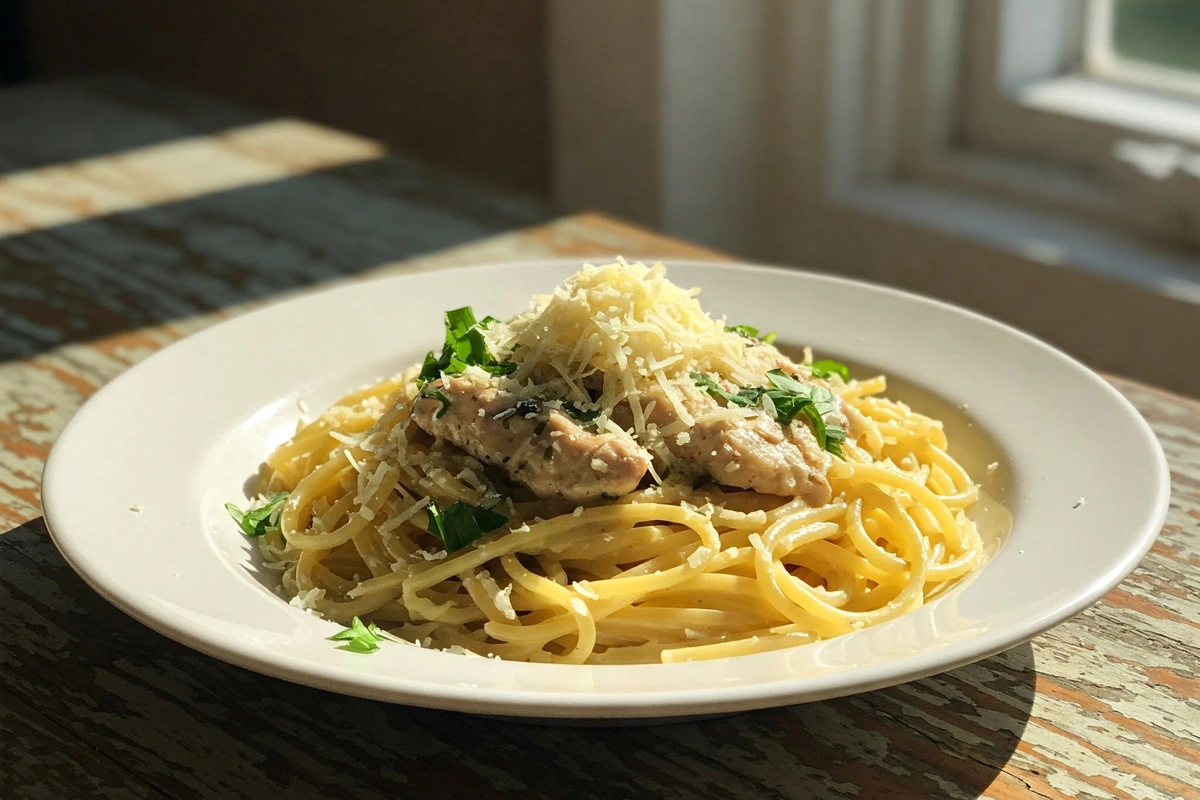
<point>1154,43</point>
<point>1068,131</point>
<point>1095,107</point>
<point>1030,127</point>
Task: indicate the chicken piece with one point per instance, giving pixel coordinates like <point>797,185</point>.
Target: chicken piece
<point>543,449</point>
<point>753,452</point>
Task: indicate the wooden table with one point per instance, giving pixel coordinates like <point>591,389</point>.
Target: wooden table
<point>131,216</point>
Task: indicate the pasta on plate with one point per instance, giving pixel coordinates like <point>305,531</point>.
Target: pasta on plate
<point>614,477</point>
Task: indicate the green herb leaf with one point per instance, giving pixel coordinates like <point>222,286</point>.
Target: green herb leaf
<point>790,398</point>
<point>461,524</point>
<point>530,405</point>
<point>746,397</point>
<point>582,416</point>
<point>751,332</point>
<point>459,321</point>
<point>359,638</point>
<point>834,436</point>
<point>440,396</point>
<point>460,527</point>
<point>781,380</point>
<point>465,347</point>
<point>827,368</point>
<point>259,521</point>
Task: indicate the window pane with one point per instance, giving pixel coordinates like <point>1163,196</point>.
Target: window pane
<point>1161,32</point>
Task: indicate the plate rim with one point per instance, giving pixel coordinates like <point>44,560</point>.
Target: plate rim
<point>624,704</point>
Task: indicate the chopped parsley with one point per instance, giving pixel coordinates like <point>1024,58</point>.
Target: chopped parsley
<point>582,416</point>
<point>258,521</point>
<point>790,399</point>
<point>461,524</point>
<point>359,638</point>
<point>750,332</point>
<point>746,397</point>
<point>827,368</point>
<point>465,347</point>
<point>440,396</point>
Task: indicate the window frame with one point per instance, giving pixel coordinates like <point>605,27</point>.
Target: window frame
<point>1102,60</point>
<point>941,120</point>
<point>788,132</point>
<point>1042,125</point>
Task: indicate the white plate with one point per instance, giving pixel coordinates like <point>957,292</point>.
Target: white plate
<point>179,434</point>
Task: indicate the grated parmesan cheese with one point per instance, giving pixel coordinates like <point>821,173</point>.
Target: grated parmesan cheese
<point>629,323</point>
<point>502,598</point>
<point>585,589</point>
<point>398,520</point>
<point>307,601</point>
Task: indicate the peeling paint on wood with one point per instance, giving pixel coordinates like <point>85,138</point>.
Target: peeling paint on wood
<point>94,705</point>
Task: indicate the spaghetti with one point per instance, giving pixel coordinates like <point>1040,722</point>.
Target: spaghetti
<point>694,561</point>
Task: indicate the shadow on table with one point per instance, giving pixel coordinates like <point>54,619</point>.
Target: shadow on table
<point>94,702</point>
<point>72,119</point>
<point>82,281</point>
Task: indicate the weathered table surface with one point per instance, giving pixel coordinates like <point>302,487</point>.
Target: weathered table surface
<point>131,216</point>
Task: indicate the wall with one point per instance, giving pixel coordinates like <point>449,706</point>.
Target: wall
<point>459,83</point>
<point>745,165</point>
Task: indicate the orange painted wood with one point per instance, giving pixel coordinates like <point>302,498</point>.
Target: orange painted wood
<point>93,704</point>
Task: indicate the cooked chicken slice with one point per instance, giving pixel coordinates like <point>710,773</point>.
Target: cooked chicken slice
<point>545,450</point>
<point>753,452</point>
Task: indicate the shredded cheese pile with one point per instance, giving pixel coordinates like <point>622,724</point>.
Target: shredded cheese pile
<point>619,328</point>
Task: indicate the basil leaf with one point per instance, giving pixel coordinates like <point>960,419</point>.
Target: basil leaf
<point>461,524</point>
<point>259,521</point>
<point>818,424</point>
<point>748,331</point>
<point>437,526</point>
<point>823,399</point>
<point>430,369</point>
<point>827,368</point>
<point>745,397</point>
<point>751,332</point>
<point>581,415</point>
<point>781,380</point>
<point>498,367</point>
<point>834,436</point>
<point>460,527</point>
<point>458,322</point>
<point>359,638</point>
<point>790,398</point>
<point>465,347</point>
<point>787,405</point>
<point>530,405</point>
<point>486,519</point>
<point>440,396</point>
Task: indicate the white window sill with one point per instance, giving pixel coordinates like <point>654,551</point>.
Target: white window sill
<point>1128,107</point>
<point>1051,240</point>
